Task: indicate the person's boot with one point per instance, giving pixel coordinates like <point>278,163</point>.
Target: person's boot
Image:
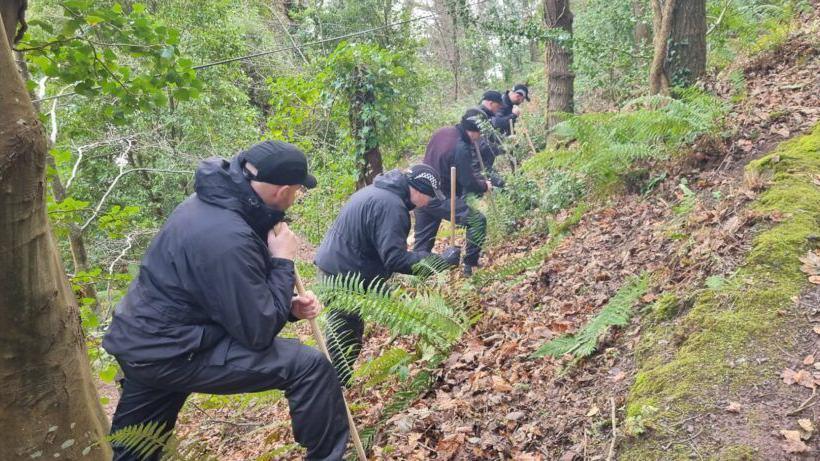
<point>468,270</point>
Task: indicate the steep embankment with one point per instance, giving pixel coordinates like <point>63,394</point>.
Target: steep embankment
<point>725,315</point>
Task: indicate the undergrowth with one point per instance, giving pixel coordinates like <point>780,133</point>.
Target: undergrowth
<point>617,312</point>
<point>598,149</point>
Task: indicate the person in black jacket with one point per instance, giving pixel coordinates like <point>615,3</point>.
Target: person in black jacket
<point>455,146</point>
<point>214,290</point>
<point>510,111</point>
<point>490,143</point>
<point>369,240</point>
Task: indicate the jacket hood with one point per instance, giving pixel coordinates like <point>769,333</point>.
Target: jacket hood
<point>396,182</point>
<point>463,133</point>
<point>506,99</point>
<point>221,183</point>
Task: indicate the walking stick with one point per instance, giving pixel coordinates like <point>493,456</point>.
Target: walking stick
<point>529,140</point>
<point>320,340</point>
<point>452,206</point>
<point>484,170</point>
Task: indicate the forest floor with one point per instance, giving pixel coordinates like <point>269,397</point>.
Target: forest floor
<point>491,400</point>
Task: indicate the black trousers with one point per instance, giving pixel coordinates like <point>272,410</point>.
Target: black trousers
<point>428,220</point>
<point>155,392</point>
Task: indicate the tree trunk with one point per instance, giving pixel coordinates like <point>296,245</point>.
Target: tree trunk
<point>679,45</point>
<point>560,78</point>
<point>48,404</point>
<point>640,33</point>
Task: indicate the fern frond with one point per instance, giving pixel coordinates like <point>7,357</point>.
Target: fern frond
<point>425,313</point>
<point>382,367</point>
<point>143,440</point>
<point>617,312</point>
<point>522,264</point>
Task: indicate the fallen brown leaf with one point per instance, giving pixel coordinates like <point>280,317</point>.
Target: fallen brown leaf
<point>793,443</point>
<point>808,360</point>
<point>806,424</point>
<point>789,376</point>
<point>733,407</point>
<point>501,385</point>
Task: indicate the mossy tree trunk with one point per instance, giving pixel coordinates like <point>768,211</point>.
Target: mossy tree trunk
<point>679,44</point>
<point>560,78</point>
<point>48,404</point>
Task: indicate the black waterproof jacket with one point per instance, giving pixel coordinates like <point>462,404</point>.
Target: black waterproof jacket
<point>207,274</point>
<point>369,237</point>
<point>450,146</point>
<point>501,120</point>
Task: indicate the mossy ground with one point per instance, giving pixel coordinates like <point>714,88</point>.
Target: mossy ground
<point>734,335</point>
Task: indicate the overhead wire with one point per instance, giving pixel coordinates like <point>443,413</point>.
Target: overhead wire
<point>294,47</point>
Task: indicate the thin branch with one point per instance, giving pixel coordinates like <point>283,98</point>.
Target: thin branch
<point>53,116</point>
<point>122,173</point>
<point>720,18</point>
<point>81,151</point>
<point>46,45</point>
<point>614,431</point>
<point>287,32</point>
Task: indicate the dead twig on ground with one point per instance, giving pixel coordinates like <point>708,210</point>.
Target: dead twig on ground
<point>809,402</point>
<point>609,457</point>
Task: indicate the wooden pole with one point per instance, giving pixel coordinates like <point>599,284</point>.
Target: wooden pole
<point>484,170</point>
<point>320,340</point>
<point>452,206</point>
<point>529,140</point>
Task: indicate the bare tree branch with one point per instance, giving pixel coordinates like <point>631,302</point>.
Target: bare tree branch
<point>122,173</point>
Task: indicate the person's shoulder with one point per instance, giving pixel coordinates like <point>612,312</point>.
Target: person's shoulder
<point>207,225</point>
<point>445,131</point>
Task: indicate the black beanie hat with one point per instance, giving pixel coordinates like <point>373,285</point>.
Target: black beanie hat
<point>493,96</point>
<point>470,119</point>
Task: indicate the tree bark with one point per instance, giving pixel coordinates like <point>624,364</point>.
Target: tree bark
<point>560,78</point>
<point>679,44</point>
<point>640,33</point>
<point>48,403</point>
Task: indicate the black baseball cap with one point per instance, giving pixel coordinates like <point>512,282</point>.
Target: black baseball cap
<point>469,121</point>
<point>426,180</point>
<point>493,96</point>
<point>522,90</point>
<point>280,163</point>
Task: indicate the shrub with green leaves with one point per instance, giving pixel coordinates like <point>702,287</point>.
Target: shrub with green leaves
<point>94,48</point>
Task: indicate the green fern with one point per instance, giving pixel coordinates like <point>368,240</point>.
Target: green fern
<point>531,260</point>
<point>534,258</point>
<point>606,145</point>
<point>423,313</point>
<point>381,368</point>
<point>143,440</point>
<point>617,312</point>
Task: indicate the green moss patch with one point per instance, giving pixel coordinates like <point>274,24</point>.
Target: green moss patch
<point>731,326</point>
